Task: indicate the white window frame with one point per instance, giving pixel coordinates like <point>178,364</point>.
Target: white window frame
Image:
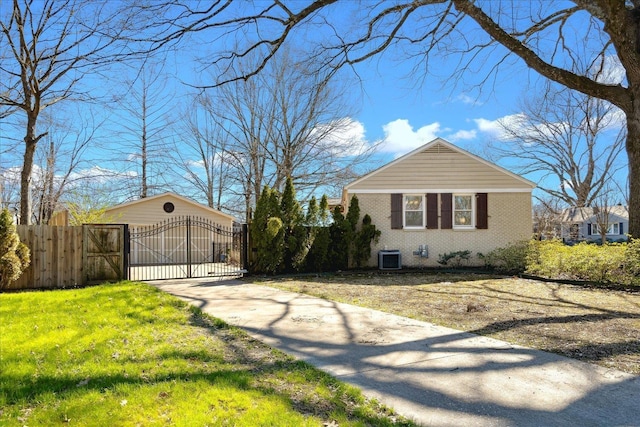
<point>614,229</point>
<point>470,226</point>
<point>404,211</point>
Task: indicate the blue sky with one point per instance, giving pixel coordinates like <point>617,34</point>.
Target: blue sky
<point>395,105</point>
<point>393,102</point>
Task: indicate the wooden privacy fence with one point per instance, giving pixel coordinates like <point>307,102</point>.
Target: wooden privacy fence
<point>68,256</point>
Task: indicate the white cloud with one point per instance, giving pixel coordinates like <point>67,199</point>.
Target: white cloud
<point>466,99</point>
<point>462,135</point>
<point>101,175</point>
<point>489,126</point>
<point>12,174</point>
<point>345,136</point>
<point>494,128</point>
<point>615,119</point>
<point>612,71</point>
<point>400,137</point>
<point>213,161</point>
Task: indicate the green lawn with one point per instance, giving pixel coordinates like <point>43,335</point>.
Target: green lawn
<point>127,354</point>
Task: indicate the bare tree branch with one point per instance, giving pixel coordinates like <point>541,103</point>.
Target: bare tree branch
<point>47,48</point>
<point>566,135</point>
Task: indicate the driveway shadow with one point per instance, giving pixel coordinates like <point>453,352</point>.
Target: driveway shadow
<point>434,375</point>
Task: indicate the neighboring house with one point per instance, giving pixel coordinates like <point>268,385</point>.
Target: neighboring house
<point>159,232</point>
<point>584,223</point>
<point>440,199</point>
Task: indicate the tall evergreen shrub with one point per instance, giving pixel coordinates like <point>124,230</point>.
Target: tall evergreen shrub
<point>339,233</point>
<point>362,243</point>
<point>351,219</point>
<point>295,234</point>
<point>320,239</point>
<point>267,233</point>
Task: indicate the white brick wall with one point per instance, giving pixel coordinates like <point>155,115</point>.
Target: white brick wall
<point>509,221</point>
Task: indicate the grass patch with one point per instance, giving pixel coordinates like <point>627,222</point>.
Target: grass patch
<point>590,324</point>
<point>128,354</point>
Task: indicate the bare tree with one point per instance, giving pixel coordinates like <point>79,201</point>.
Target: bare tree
<point>285,122</point>
<point>58,161</point>
<point>47,48</point>
<point>203,154</point>
<point>88,203</point>
<point>247,116</point>
<point>9,188</point>
<point>602,210</point>
<point>550,37</point>
<point>144,119</point>
<point>566,135</point>
<point>547,218</point>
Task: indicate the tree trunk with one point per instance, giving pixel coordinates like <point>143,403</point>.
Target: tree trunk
<point>633,152</point>
<point>143,149</point>
<point>30,140</point>
<point>25,184</point>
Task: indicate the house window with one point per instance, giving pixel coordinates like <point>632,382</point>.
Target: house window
<point>613,228</point>
<point>413,211</point>
<point>463,211</point>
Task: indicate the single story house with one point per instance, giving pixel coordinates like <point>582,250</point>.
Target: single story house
<point>440,199</point>
<point>169,229</point>
<point>584,223</point>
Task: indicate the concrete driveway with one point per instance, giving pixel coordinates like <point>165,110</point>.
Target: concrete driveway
<point>431,374</point>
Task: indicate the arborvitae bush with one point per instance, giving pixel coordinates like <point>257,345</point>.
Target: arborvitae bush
<point>351,235</point>
<point>362,243</point>
<point>267,233</point>
<point>295,234</point>
<point>339,235</point>
<point>283,239</point>
<point>14,255</point>
<point>318,258</point>
<point>353,215</point>
<point>318,237</point>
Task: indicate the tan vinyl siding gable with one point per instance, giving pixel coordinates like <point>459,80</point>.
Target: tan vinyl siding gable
<point>150,211</point>
<point>438,167</point>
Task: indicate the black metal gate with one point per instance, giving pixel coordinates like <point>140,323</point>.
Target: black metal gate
<point>186,247</point>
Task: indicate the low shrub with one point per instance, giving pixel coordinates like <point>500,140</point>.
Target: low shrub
<point>631,267</point>
<point>608,263</point>
<point>454,259</point>
<point>512,259</point>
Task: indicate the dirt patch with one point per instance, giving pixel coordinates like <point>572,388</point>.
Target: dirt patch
<point>594,325</point>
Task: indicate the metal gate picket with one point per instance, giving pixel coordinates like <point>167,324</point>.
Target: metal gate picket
<point>186,247</point>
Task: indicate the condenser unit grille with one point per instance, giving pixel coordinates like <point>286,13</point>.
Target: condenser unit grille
<point>389,260</point>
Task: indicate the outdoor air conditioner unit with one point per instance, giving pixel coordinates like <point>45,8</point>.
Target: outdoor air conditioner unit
<point>389,260</point>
